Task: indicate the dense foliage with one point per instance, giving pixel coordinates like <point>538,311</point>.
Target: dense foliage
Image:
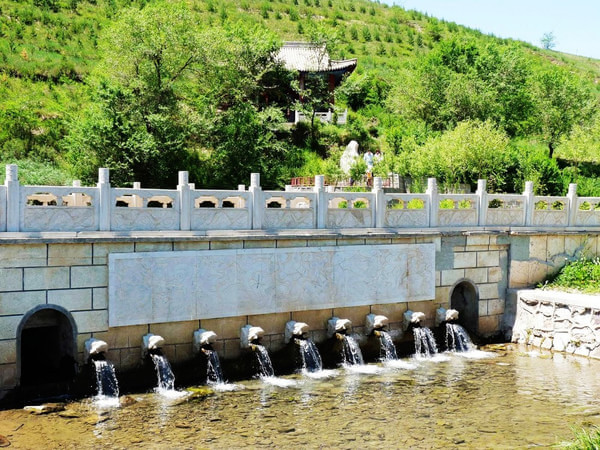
<point>150,87</point>
<point>582,275</point>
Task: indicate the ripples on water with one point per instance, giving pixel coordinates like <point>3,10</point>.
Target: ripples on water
<point>468,400</point>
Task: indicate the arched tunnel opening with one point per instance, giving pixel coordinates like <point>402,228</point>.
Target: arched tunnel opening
<point>47,353</point>
<point>465,300</point>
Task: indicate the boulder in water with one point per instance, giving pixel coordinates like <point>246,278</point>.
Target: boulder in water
<point>127,400</point>
<point>4,442</point>
<point>46,408</point>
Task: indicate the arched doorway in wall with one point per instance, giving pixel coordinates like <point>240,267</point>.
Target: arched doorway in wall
<point>465,299</point>
<point>46,348</point>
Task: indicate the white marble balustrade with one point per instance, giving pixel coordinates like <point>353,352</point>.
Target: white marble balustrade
<point>104,208</point>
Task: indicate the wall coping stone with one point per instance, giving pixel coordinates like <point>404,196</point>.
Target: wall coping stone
<point>561,297</point>
<point>227,235</point>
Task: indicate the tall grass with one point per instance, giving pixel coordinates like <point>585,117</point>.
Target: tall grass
<point>585,439</point>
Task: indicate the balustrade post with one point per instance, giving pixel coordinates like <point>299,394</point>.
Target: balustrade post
<point>321,204</point>
<point>434,204</point>
<point>380,205</point>
<point>572,204</point>
<point>258,205</point>
<point>529,203</point>
<point>137,201</point>
<point>13,198</point>
<point>104,195</point>
<point>185,213</point>
<point>483,202</point>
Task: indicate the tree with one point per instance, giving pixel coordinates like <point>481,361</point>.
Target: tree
<point>138,125</point>
<point>562,101</point>
<point>461,79</point>
<point>583,144</point>
<point>170,96</point>
<point>548,41</point>
<point>471,151</point>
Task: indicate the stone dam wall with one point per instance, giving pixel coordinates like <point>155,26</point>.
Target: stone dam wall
<point>164,283</point>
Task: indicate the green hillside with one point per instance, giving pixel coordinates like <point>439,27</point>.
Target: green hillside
<point>78,92</point>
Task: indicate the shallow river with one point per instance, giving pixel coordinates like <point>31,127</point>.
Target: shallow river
<point>506,399</point>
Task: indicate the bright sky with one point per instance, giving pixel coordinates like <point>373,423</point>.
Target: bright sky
<point>574,23</point>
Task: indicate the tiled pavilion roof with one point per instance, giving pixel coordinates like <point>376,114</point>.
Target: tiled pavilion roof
<point>309,57</point>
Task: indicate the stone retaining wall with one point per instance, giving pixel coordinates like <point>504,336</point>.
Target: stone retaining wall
<point>558,321</point>
<point>71,271</point>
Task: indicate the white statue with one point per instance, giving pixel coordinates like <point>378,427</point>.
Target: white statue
<point>349,157</point>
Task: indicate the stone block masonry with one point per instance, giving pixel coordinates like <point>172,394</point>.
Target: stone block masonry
<point>72,271</point>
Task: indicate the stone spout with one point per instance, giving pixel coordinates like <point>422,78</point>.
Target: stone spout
<point>250,335</point>
<point>295,329</point>
<point>412,319</point>
<point>203,338</point>
<point>451,315</point>
<point>338,326</point>
<point>94,348</point>
<point>375,323</point>
<point>151,343</point>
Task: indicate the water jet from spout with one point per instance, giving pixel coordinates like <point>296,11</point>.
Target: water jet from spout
<point>203,341</point>
<point>151,346</point>
<point>309,354</point>
<point>107,386</point>
<point>425,344</point>
<point>339,328</point>
<point>250,338</point>
<point>376,325</point>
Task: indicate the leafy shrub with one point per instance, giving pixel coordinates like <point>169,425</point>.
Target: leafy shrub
<point>447,204</point>
<point>415,203</point>
<point>582,274</point>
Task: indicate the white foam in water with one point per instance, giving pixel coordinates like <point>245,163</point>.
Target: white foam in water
<point>362,368</point>
<point>435,358</point>
<point>320,374</point>
<point>475,354</point>
<point>170,393</point>
<point>399,364</point>
<point>279,382</point>
<point>102,401</point>
<point>226,387</point>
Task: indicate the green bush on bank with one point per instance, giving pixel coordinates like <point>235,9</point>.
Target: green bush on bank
<point>582,274</point>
